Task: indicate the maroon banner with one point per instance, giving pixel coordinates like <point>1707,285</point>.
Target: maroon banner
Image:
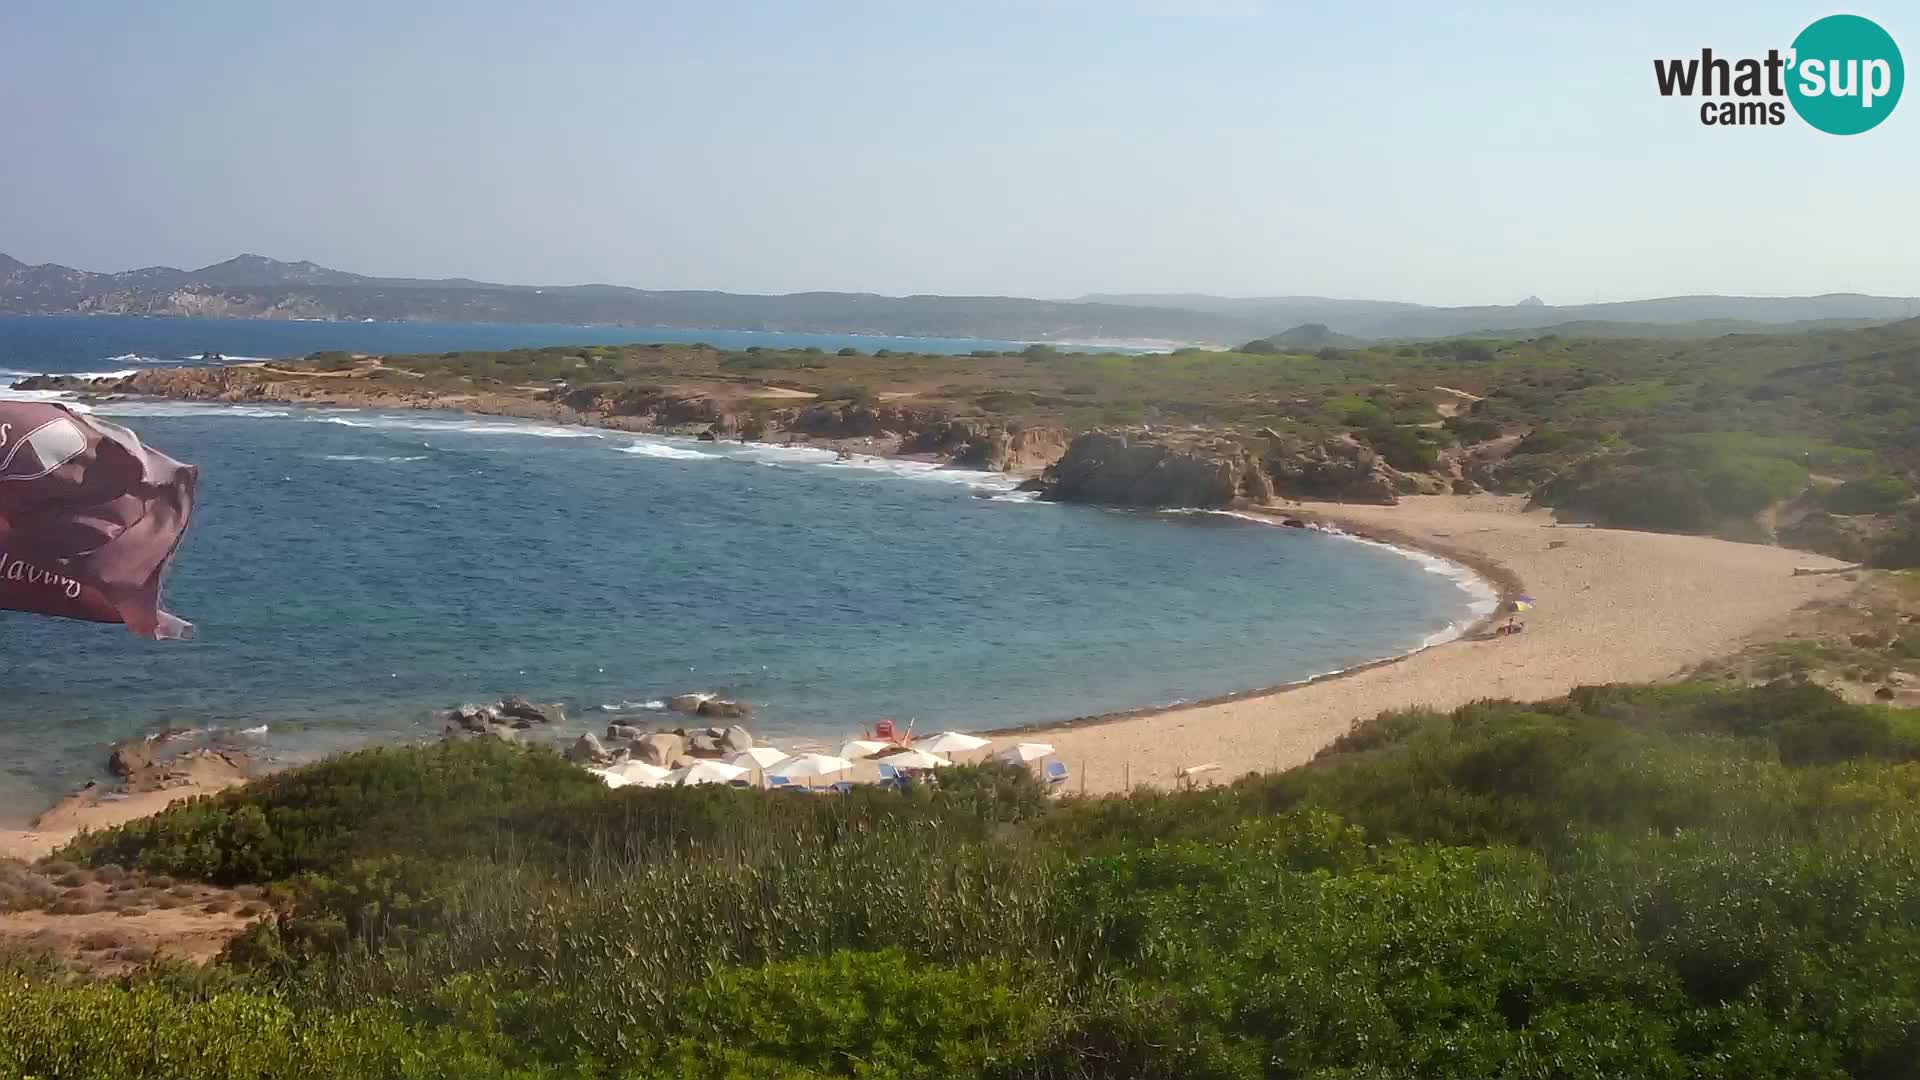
<point>89,518</point>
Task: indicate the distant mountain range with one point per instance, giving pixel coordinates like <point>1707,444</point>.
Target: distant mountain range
<point>1385,319</point>
<point>252,286</point>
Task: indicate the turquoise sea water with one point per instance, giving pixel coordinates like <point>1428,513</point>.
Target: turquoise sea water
<point>350,571</point>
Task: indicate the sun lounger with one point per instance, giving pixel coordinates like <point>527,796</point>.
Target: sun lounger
<point>1056,773</point>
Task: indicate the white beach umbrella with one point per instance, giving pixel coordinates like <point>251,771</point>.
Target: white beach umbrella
<point>609,777</point>
<point>914,759</point>
<point>759,757</point>
<point>705,772</point>
<point>1022,753</point>
<point>640,773</point>
<point>860,748</point>
<point>809,765</point>
<point>951,742</point>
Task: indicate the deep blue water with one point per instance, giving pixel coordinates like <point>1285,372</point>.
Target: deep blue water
<point>111,342</point>
<point>351,571</point>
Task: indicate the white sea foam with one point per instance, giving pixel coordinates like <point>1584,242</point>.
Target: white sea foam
<point>385,422</point>
<point>255,731</point>
<point>929,471</point>
<point>189,408</point>
<point>653,705</point>
<point>1482,598</point>
<point>41,395</point>
<point>776,454</point>
<point>372,457</point>
<point>10,376</point>
<point>667,451</point>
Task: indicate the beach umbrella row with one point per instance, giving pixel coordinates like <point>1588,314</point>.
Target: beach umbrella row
<point>951,742</point>
<point>914,759</point>
<point>1023,753</point>
<point>922,755</point>
<point>758,757</point>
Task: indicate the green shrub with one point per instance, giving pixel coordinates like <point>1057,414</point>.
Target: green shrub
<point>1869,495</point>
<point>1403,448</point>
<point>145,1033</point>
<point>879,1015</point>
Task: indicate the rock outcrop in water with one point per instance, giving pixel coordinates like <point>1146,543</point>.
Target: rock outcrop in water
<point>1213,471</point>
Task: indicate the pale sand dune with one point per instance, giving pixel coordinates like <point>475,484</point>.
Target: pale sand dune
<point>1613,607</point>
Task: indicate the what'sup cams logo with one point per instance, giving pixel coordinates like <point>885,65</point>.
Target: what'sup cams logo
<point>1843,75</point>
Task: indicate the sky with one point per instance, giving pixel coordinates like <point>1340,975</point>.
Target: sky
<point>1446,154</point>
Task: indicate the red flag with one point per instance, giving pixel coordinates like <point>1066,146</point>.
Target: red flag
<point>88,519</point>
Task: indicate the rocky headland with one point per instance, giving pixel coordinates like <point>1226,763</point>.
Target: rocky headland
<point>1139,466</point>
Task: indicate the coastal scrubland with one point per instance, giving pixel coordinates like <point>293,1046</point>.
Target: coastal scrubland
<point>1702,879</point>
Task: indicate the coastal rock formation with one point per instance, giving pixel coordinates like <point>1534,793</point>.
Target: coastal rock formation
<point>130,757</point>
<point>973,444</point>
<point>625,733</point>
<point>686,703</point>
<point>482,721</point>
<point>1339,469</point>
<point>1147,468</point>
<point>659,748</point>
<point>736,739</point>
<point>142,765</point>
<point>724,709</point>
<point>515,707</point>
<point>1211,471</point>
<point>1122,470</point>
<point>587,750</point>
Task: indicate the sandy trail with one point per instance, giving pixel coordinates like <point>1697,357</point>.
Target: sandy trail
<point>1614,606</point>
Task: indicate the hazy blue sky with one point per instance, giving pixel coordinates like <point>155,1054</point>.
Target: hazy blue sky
<point>1445,153</point>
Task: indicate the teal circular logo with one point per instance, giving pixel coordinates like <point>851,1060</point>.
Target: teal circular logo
<point>1846,75</point>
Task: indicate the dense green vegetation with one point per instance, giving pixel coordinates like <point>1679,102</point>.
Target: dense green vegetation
<point>1697,880</point>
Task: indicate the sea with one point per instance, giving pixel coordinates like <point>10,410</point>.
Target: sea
<point>351,572</point>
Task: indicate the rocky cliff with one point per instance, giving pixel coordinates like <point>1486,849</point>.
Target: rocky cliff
<point>1178,470</point>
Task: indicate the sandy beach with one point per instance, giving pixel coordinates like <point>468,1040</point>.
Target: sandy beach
<point>1614,606</point>
<point>97,807</point>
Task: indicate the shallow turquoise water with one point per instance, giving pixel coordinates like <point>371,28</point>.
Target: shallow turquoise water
<point>351,571</point>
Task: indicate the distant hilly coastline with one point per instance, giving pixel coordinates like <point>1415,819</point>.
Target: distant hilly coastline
<point>256,287</point>
<point>1386,320</point>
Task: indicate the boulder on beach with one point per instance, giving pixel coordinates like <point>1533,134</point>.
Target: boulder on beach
<point>736,739</point>
<point>586,750</point>
<point>519,708</point>
<point>705,744</point>
<point>130,757</point>
<point>725,709</point>
<point>659,748</point>
<point>475,718</point>
<point>618,732</point>
<point>686,703</point>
